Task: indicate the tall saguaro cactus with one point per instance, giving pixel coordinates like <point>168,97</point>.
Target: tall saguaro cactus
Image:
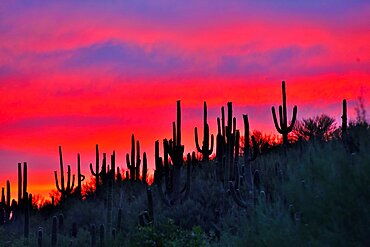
<point>80,177</point>
<point>206,149</point>
<point>176,150</point>
<point>284,129</point>
<point>344,117</point>
<point>64,190</point>
<point>22,185</point>
<point>134,165</point>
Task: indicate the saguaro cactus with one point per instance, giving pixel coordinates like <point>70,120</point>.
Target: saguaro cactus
<point>8,200</point>
<point>344,117</point>
<point>231,135</point>
<point>64,190</point>
<point>134,165</point>
<point>112,171</point>
<point>96,174</point>
<point>80,177</point>
<point>22,187</point>
<point>284,129</point>
<point>206,149</point>
<point>6,203</point>
<point>145,168</point>
<point>175,151</point>
<point>248,155</point>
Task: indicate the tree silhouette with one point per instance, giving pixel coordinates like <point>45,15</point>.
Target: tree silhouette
<point>320,128</point>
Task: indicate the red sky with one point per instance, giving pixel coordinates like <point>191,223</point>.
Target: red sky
<point>77,74</point>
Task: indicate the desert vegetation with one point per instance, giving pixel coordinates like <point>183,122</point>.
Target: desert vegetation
<point>309,189</point>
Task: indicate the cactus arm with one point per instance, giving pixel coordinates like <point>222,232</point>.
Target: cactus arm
<point>138,161</point>
<point>73,183</point>
<point>56,181</point>
<point>294,117</point>
<point>196,140</point>
<point>282,118</point>
<point>68,177</point>
<point>212,144</point>
<point>92,171</point>
<point>61,168</point>
<point>275,120</point>
<point>128,161</point>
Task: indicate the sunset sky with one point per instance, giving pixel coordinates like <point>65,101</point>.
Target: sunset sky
<point>78,73</point>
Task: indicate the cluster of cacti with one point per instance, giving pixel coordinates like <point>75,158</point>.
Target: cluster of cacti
<point>104,174</point>
<point>9,208</point>
<point>207,148</point>
<point>245,181</point>
<point>284,129</point>
<point>227,149</point>
<point>5,204</point>
<point>133,164</point>
<point>172,173</point>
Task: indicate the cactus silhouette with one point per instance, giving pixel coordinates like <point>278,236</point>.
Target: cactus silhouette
<point>64,190</point>
<point>97,174</point>
<point>206,149</point>
<point>112,170</point>
<point>145,168</point>
<point>344,117</point>
<point>80,177</point>
<point>284,129</point>
<point>230,151</point>
<point>175,150</point>
<point>54,232</point>
<point>22,187</point>
<point>248,155</point>
<point>134,165</point>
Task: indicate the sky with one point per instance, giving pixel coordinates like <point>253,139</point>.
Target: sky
<point>80,73</point>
